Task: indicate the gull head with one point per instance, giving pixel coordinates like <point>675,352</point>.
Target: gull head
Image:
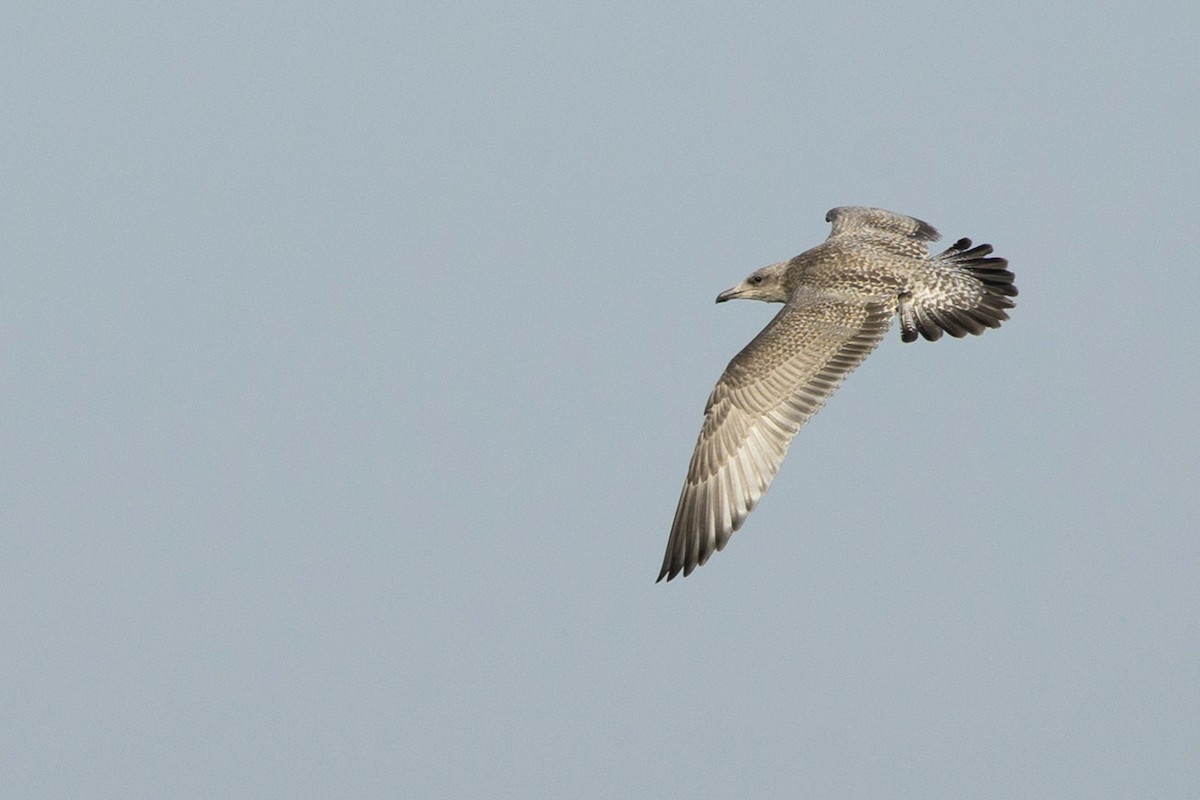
<point>768,284</point>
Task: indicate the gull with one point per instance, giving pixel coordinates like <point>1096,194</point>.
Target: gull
<point>839,300</point>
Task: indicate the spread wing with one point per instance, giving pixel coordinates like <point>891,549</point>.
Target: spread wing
<point>768,391</point>
<point>859,219</point>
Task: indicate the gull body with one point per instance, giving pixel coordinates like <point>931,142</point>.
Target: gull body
<point>840,299</point>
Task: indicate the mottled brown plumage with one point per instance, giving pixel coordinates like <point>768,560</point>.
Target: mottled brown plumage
<point>840,299</point>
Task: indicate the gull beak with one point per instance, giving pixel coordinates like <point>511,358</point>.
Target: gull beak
<point>730,294</point>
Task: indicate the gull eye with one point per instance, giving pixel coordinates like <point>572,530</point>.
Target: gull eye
<point>756,279</point>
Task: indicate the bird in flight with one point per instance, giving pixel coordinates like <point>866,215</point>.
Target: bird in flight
<point>839,300</point>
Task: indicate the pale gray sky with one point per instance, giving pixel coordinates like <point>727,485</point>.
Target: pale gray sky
<point>354,354</point>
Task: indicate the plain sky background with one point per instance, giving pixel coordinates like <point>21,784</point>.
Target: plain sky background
<point>354,353</point>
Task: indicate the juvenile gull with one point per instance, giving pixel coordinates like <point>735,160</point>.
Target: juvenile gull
<point>840,298</point>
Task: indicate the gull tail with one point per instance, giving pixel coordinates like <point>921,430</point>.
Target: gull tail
<point>961,291</point>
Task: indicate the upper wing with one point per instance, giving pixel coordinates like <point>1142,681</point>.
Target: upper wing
<point>768,391</point>
<point>859,219</point>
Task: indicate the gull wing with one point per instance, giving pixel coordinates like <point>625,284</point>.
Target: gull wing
<point>849,220</point>
<point>767,393</point>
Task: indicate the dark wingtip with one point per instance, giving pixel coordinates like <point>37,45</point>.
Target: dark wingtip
<point>926,231</point>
